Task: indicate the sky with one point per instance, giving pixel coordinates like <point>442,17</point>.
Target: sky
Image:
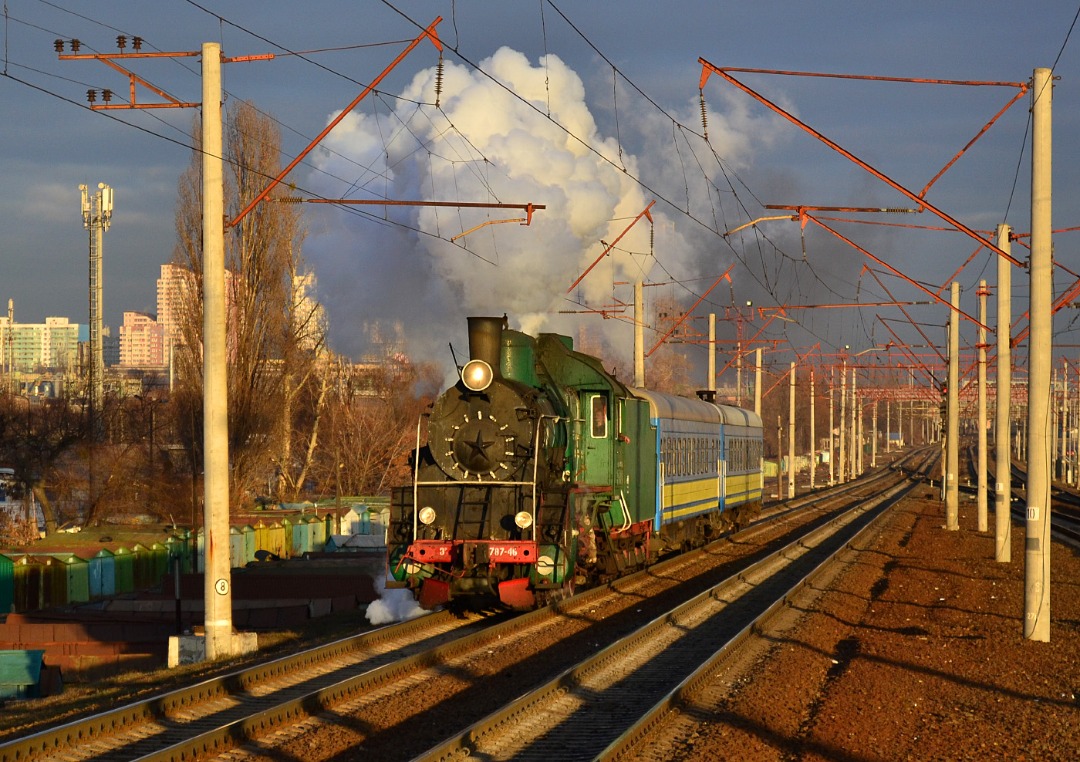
<point>592,110</point>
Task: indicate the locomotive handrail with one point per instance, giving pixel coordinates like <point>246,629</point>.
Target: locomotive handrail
<point>627,523</point>
<point>536,473</point>
<point>415,482</point>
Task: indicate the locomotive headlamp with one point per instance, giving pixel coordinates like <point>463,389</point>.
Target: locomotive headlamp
<point>427,515</point>
<point>523,519</point>
<point>477,375</point>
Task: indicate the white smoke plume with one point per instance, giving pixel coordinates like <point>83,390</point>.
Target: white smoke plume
<point>486,145</point>
<point>393,605</point>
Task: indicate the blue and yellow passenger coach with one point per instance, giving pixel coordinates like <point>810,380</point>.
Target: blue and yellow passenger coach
<point>708,460</point>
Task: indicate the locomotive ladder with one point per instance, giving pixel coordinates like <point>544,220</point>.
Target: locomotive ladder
<point>472,528</point>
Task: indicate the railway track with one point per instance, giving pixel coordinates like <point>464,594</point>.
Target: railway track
<point>1065,511</point>
<point>1065,514</point>
<point>214,714</point>
<point>604,705</point>
<point>276,703</point>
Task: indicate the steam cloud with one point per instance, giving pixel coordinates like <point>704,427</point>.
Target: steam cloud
<point>485,144</point>
<point>393,605</point>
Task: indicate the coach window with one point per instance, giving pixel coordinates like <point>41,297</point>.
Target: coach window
<point>599,416</point>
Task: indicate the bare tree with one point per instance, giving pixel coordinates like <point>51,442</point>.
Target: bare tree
<point>275,334</point>
<point>372,425</point>
<point>35,437</point>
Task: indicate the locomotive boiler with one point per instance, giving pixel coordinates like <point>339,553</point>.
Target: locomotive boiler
<point>542,472</point>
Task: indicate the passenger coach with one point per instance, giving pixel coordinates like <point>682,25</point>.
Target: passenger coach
<point>708,460</point>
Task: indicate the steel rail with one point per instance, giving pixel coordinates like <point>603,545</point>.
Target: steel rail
<point>476,739</point>
<point>679,696</point>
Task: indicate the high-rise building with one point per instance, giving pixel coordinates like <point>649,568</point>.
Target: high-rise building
<point>176,292</point>
<point>142,342</point>
<point>34,347</point>
<point>308,315</point>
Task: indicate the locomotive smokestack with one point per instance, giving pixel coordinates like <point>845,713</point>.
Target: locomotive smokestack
<point>485,340</point>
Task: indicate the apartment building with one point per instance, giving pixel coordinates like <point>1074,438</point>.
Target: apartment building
<point>142,343</point>
<point>35,347</point>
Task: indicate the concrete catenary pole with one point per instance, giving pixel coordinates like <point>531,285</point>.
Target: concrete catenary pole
<point>791,434</point>
<point>1063,420</point>
<point>952,418</point>
<point>1002,412</point>
<point>813,433</point>
<point>712,352</point>
<point>218,582</point>
<point>860,436</point>
<point>832,429</point>
<point>842,457</point>
<point>1040,341</point>
<point>853,450</point>
<point>639,336</point>
<point>888,425</point>
<point>1055,423</point>
<point>757,381</point>
<point>981,421</point>
<point>779,453</point>
<point>873,435</point>
<point>1066,473</point>
<point>738,374</point>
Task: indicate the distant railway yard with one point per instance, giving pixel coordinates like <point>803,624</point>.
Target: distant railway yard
<point>843,624</point>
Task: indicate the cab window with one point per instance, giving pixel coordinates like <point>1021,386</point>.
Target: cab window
<point>599,416</point>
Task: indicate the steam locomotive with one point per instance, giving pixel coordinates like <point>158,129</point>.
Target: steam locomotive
<point>543,472</point>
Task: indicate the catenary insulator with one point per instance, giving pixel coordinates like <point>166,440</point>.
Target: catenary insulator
<point>438,79</point>
<point>704,120</point>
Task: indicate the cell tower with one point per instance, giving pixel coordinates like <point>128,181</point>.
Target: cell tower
<point>97,215</point>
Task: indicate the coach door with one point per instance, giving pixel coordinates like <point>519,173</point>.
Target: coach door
<point>598,436</point>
